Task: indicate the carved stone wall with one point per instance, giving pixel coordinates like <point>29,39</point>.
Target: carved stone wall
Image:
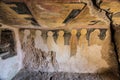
<point>73,41</point>
<point>10,57</point>
<point>86,52</point>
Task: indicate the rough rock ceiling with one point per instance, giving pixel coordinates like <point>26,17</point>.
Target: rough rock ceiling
<point>17,14</point>
<point>51,14</point>
<point>113,7</point>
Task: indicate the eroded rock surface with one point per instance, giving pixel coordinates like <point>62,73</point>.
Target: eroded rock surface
<point>36,59</point>
<point>28,75</point>
<point>95,58</point>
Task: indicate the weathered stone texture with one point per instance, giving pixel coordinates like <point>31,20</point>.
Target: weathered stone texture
<point>96,59</point>
<point>36,59</point>
<point>28,75</point>
<point>117,40</point>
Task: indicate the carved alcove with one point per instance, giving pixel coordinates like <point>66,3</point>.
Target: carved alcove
<point>7,43</point>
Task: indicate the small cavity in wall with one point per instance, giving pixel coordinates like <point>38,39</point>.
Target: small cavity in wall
<point>7,43</point>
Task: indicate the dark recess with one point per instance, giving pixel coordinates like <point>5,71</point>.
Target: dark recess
<point>23,9</point>
<point>72,15</point>
<point>7,38</point>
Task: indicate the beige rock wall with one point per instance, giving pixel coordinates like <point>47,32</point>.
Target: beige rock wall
<point>92,54</point>
<point>88,50</point>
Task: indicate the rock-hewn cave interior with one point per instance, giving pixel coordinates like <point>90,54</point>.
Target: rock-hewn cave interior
<point>59,40</point>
